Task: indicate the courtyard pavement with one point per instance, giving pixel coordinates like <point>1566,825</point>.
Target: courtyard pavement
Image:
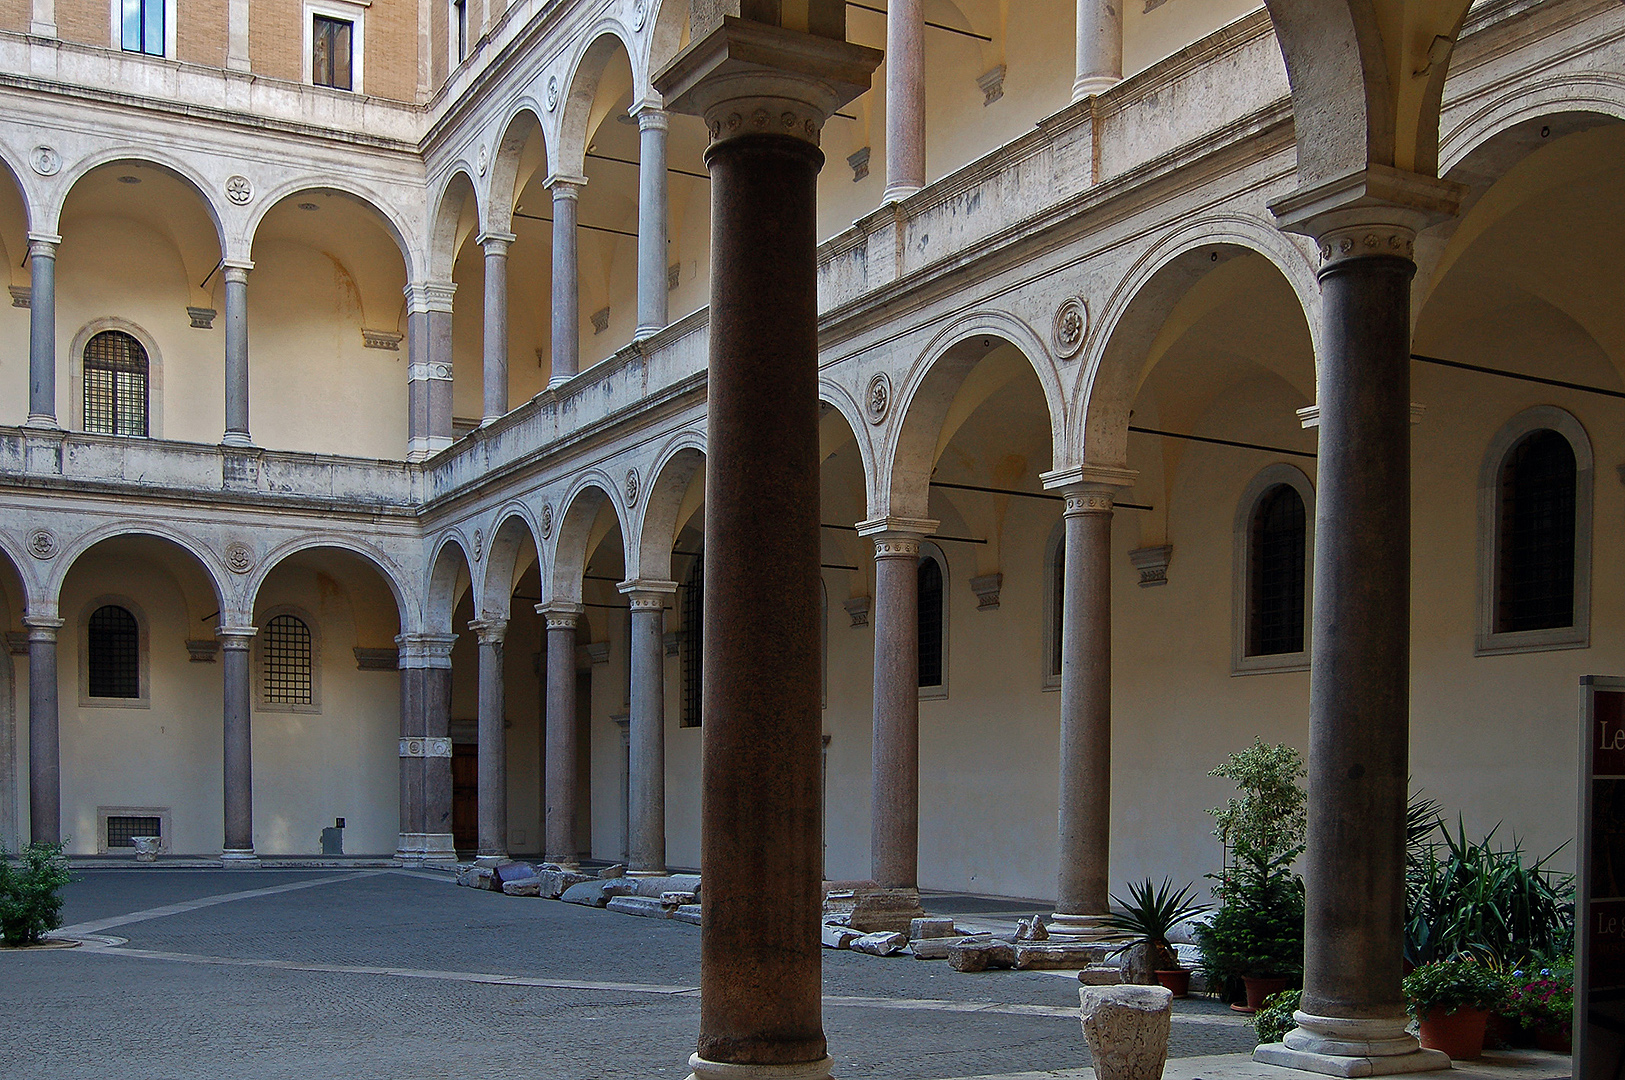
<point>398,974</point>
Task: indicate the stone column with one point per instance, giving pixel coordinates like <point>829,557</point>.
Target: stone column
<point>1085,815</point>
<point>236,275</point>
<point>493,726</point>
<point>1100,47</point>
<point>237,35</point>
<point>496,324</point>
<point>765,93</point>
<point>429,370</point>
<point>559,817</point>
<point>905,99</point>
<point>1359,684</point>
<point>566,288</point>
<point>425,749</point>
<point>238,849</point>
<point>42,328</point>
<point>653,212</point>
<point>647,828</point>
<point>43,23</point>
<point>894,810</point>
<point>44,749</point>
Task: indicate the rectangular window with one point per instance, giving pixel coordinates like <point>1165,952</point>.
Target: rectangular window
<point>459,28</point>
<point>141,25</point>
<point>121,831</point>
<point>331,52</point>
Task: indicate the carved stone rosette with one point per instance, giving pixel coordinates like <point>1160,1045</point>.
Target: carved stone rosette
<point>1071,327</point>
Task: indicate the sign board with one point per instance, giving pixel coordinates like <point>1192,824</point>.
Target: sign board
<point>1599,895</point>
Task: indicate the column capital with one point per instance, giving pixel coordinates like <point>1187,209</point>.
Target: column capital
<point>490,631</point>
<point>495,243</point>
<point>236,268</point>
<point>429,295</point>
<point>753,78</point>
<point>565,186</point>
<point>236,637</point>
<point>42,628</point>
<point>1377,210</point>
<point>651,115</point>
<point>898,526</point>
<point>43,244</point>
<point>1089,479</point>
<point>560,614</point>
<point>635,587</point>
<point>425,650</point>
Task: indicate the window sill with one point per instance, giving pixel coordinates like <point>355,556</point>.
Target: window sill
<point>1269,665</point>
<point>1528,641</point>
<point>88,702</point>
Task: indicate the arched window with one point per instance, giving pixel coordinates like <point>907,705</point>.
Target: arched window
<point>1535,535</point>
<point>115,380</point>
<point>1276,554</point>
<point>113,653</point>
<point>930,621</point>
<point>692,640</point>
<point>287,662</point>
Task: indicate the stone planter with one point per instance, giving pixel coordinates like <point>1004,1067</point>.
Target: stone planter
<point>1177,980</point>
<point>147,847</point>
<point>1127,1030</point>
<point>1459,1034</point>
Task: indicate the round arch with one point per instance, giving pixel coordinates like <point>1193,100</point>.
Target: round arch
<point>1113,352</point>
<point>679,461</point>
<point>50,217</point>
<point>394,224</point>
<point>440,594</point>
<point>586,72</point>
<point>841,399</point>
<point>14,169</point>
<point>582,503</point>
<point>515,524</point>
<point>11,568</point>
<point>662,39</point>
<point>1597,95</point>
<point>502,188</point>
<point>443,238</point>
<point>386,567</point>
<point>214,568</point>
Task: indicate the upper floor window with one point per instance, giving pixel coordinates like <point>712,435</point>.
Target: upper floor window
<point>288,662</point>
<point>332,52</point>
<point>459,30</point>
<point>142,26</point>
<point>115,379</point>
<point>1535,524</point>
<point>113,653</point>
<point>931,597</point>
<point>691,643</point>
<point>1273,549</point>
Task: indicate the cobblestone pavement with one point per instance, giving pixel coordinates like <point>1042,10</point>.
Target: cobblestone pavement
<point>401,975</point>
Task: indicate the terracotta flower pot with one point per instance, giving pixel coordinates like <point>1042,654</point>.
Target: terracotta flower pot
<point>1257,990</point>
<point>1176,979</point>
<point>1558,1042</point>
<point>1459,1034</point>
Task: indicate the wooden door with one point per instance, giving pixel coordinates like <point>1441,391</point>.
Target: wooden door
<point>465,796</point>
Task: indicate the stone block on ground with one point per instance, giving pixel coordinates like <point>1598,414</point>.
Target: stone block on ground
<point>654,886</point>
<point>1127,1030</point>
<point>688,913</point>
<point>1031,929</point>
<point>647,906</point>
<point>477,877</point>
<point>551,884</point>
<point>589,893</point>
<point>931,948</point>
<point>1101,975</point>
<point>1057,955</point>
<point>1138,965</point>
<point>531,886</point>
<point>839,896</point>
<point>613,871</point>
<point>678,897</point>
<point>881,944</point>
<point>886,910</point>
<point>839,937</point>
<point>981,954</point>
<point>514,871</point>
<point>928,927</point>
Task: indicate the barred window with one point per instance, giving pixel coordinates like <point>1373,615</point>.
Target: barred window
<point>115,384</point>
<point>331,52</point>
<point>123,829</point>
<point>113,655</point>
<point>287,661</point>
<point>693,600</point>
<point>1277,545</point>
<point>930,618</point>
<point>1058,610</point>
<point>1535,590</point>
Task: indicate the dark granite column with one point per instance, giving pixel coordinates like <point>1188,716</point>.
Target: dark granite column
<point>429,371</point>
<point>493,728</point>
<point>647,828</point>
<point>764,92</point>
<point>235,272</point>
<point>238,849</point>
<point>559,818</point>
<point>42,330</point>
<point>653,213</point>
<point>425,748</point>
<point>44,749</point>
<point>905,98</point>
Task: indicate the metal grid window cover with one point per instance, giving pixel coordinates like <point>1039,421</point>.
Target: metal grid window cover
<point>287,658</point>
<point>113,654</point>
<point>693,599</point>
<point>1279,537</point>
<point>121,830</point>
<point>331,44</point>
<point>115,384</point>
<point>1536,586</point>
<point>930,618</point>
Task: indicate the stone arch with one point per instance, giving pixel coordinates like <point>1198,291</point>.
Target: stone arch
<point>226,592</point>
<point>515,525</point>
<point>444,235</point>
<point>12,576</point>
<point>503,186</point>
<point>1114,351</point>
<point>586,72</point>
<point>393,222</point>
<point>674,469</point>
<point>840,398</point>
<point>387,568</point>
<point>447,567</point>
<point>921,405</point>
<point>1569,101</point>
<point>50,212</point>
<point>663,37</point>
<point>573,530</point>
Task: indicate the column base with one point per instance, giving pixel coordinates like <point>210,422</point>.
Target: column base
<point>239,859</point>
<point>1418,1060</point>
<point>643,332</point>
<point>490,860</point>
<point>1091,85</point>
<point>719,1070</point>
<point>42,421</point>
<point>898,192</point>
<point>1081,927</point>
<point>558,380</point>
<point>236,438</point>
<point>425,847</point>
<point>1336,1046</point>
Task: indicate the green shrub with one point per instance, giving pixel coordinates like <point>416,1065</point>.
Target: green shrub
<point>1274,1019</point>
<point>1150,915</point>
<point>1451,985</point>
<point>1270,817</point>
<point>31,894</point>
<point>1258,931</point>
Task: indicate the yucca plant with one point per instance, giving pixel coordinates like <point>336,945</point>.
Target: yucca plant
<point>1150,915</point>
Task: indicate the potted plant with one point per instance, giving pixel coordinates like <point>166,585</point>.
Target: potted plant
<point>1543,1003</point>
<point>1257,935</point>
<point>1148,917</point>
<point>1451,1001</point>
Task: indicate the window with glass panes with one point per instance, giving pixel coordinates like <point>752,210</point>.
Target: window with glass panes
<point>286,659</point>
<point>930,620</point>
<point>691,644</point>
<point>1277,556</point>
<point>113,654</point>
<point>332,52</point>
<point>115,384</point>
<point>1535,590</point>
<point>141,26</point>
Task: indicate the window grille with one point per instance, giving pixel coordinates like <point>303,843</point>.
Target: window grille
<point>286,660</point>
<point>115,384</point>
<point>1536,541</point>
<point>693,641</point>
<point>122,830</point>
<point>113,659</point>
<point>930,618</point>
<point>1278,540</point>
<point>331,44</point>
<point>142,26</point>
<point>1058,627</point>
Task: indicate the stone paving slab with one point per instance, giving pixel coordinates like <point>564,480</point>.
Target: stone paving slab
<point>1495,1065</point>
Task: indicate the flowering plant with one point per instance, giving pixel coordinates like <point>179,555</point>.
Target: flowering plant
<point>1542,1000</point>
<point>1450,985</point>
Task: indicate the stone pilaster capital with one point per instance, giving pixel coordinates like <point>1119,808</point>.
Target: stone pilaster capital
<point>916,527</point>
<point>429,296</point>
<point>1374,211</point>
<point>559,614</point>
<point>565,186</point>
<point>236,269</point>
<point>753,78</point>
<point>651,115</point>
<point>495,243</point>
<point>1089,489</point>
<point>646,594</point>
<point>490,631</point>
<point>425,650</point>
<point>42,627</point>
<point>43,245</point>
<point>236,637</point>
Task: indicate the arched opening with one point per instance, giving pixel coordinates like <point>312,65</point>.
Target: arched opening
<point>13,775</point>
<point>519,193</point>
<point>13,332</point>
<point>326,309</point>
<point>512,589</point>
<point>449,610</point>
